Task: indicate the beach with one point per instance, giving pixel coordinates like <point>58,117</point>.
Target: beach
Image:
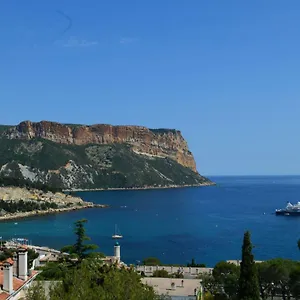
<point>21,215</point>
<point>143,188</point>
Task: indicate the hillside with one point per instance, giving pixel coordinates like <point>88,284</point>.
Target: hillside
<point>97,156</point>
<point>19,202</point>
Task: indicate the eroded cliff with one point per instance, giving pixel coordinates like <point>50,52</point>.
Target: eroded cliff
<point>97,156</point>
<point>155,142</point>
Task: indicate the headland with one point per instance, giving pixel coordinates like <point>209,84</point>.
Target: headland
<point>17,203</point>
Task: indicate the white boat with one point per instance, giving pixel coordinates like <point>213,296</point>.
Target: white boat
<point>290,210</point>
<point>117,234</point>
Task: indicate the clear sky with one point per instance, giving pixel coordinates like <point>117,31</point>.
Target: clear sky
<point>225,73</point>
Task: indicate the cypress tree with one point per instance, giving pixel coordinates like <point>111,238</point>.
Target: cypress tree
<point>248,281</point>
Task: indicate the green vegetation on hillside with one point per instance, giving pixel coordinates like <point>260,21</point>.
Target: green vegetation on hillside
<point>90,166</point>
<point>163,131</point>
<point>23,183</point>
<point>24,206</point>
<point>5,128</point>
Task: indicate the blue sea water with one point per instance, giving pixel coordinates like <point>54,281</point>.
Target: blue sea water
<point>176,225</point>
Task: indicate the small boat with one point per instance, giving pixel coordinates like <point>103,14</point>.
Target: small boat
<point>117,234</point>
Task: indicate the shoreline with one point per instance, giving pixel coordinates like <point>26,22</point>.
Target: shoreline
<point>36,213</point>
<point>141,188</point>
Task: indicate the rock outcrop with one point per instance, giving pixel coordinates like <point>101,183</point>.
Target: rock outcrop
<point>97,157</point>
<point>144,141</point>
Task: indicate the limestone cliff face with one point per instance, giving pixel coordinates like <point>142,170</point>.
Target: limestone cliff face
<point>144,141</point>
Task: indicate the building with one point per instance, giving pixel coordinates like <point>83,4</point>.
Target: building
<point>14,276</point>
<point>237,262</point>
<point>116,258</point>
<point>187,272</point>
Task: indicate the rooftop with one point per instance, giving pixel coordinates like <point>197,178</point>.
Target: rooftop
<point>17,284</point>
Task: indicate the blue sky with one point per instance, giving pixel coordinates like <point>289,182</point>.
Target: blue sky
<point>225,73</point>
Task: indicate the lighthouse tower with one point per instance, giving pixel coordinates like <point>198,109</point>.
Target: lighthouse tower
<point>117,252</point>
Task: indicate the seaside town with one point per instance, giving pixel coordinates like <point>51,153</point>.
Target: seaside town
<point>16,277</point>
<point>174,121</point>
<point>34,272</point>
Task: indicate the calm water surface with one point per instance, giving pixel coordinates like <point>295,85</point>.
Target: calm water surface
<point>176,225</point>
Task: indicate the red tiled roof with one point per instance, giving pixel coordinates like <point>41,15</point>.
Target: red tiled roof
<point>4,296</point>
<point>17,284</point>
<point>23,247</point>
<point>10,261</point>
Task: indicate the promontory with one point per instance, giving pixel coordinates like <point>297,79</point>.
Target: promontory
<point>74,157</point>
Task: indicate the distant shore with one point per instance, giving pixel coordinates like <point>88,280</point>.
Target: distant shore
<point>142,188</point>
<point>35,213</point>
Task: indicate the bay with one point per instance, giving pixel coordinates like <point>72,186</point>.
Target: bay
<point>176,225</point>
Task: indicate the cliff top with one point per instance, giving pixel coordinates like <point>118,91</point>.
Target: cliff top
<point>4,128</point>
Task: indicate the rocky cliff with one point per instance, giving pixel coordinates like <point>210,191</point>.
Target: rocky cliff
<point>97,156</point>
<point>154,142</point>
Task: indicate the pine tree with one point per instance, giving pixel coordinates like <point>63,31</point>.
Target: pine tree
<point>80,249</point>
<point>248,281</point>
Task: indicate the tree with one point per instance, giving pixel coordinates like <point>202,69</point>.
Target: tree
<point>248,281</point>
<point>276,276</point>
<point>294,283</point>
<point>80,249</point>
<point>151,261</point>
<point>299,244</point>
<point>161,273</point>
<point>36,292</point>
<point>209,284</point>
<point>193,264</point>
<point>227,275</point>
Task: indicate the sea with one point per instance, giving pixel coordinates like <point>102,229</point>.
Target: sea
<point>176,225</point>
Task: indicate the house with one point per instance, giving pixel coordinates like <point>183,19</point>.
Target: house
<point>14,276</point>
<point>49,257</point>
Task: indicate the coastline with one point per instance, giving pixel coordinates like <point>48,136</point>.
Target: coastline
<point>142,188</point>
<point>22,215</point>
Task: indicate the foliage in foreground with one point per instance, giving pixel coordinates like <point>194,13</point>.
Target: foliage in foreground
<point>276,277</point>
<point>92,280</point>
<point>87,277</point>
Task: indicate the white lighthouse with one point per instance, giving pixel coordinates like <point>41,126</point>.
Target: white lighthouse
<point>117,252</point>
